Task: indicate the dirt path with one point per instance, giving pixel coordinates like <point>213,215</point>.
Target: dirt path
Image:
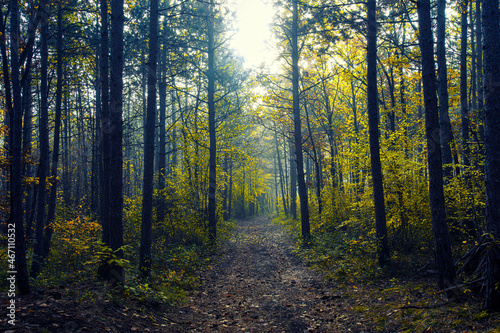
<point>260,286</point>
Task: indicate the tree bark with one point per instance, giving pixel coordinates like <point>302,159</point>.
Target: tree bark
<point>444,118</point>
<point>491,49</point>
<point>373,122</point>
<point>57,133</point>
<point>442,248</point>
<point>299,158</point>
<point>212,185</point>
<point>464,109</point>
<point>282,176</point>
<point>105,134</point>
<point>117,273</point>
<point>16,210</point>
<point>149,146</point>
<point>43,130</point>
<point>162,156</point>
<point>479,65</point>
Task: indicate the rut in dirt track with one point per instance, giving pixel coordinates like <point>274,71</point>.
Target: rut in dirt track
<point>260,286</point>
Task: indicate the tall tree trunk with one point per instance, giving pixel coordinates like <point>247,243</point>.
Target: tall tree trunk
<point>299,159</point>
<point>117,273</point>
<point>6,77</point>
<point>480,88</point>
<point>444,118</point>
<point>212,185</point>
<point>15,224</point>
<point>230,203</point>
<point>57,134</point>
<point>162,156</point>
<point>30,200</point>
<point>442,248</point>
<point>293,181</point>
<point>491,48</point>
<point>464,109</point>
<point>473,72</point>
<point>16,193</point>
<point>43,129</point>
<point>149,146</point>
<point>376,166</point>
<point>280,170</point>
<point>317,164</point>
<point>105,134</point>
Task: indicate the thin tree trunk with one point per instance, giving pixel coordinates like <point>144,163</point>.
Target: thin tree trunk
<point>293,181</point>
<point>57,134</point>
<point>480,88</point>
<point>43,129</point>
<point>117,273</point>
<point>212,185</point>
<point>280,170</point>
<point>442,248</point>
<point>464,109</point>
<point>376,166</point>
<point>6,77</point>
<point>15,225</point>
<point>444,118</point>
<point>162,156</point>
<point>149,147</point>
<point>299,159</point>
<point>105,134</point>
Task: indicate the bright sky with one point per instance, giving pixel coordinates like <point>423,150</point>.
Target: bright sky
<point>253,19</point>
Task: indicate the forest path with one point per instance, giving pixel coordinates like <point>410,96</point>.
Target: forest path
<point>260,286</point>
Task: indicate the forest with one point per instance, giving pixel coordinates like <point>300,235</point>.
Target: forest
<point>136,141</point>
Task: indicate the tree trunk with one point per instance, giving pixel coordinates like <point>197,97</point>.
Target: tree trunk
<point>464,109</point>
<point>480,88</point>
<point>442,248</point>
<point>149,146</point>
<point>299,159</point>
<point>15,225</point>
<point>293,181</point>
<point>444,118</point>
<point>212,185</point>
<point>117,273</point>
<point>162,156</point>
<point>105,134</point>
<point>43,130</point>
<point>57,133</point>
<point>6,78</point>
<point>280,170</point>
<point>373,122</point>
<point>30,198</point>
<point>491,48</point>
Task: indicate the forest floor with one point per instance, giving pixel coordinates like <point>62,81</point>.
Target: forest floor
<point>258,284</point>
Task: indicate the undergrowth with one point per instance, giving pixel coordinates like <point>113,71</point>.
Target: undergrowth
<point>76,253</point>
<point>402,297</point>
